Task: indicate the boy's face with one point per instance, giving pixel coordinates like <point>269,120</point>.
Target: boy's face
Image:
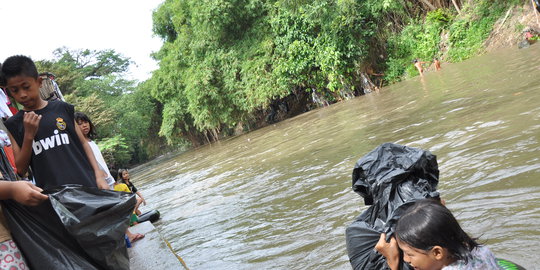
<point>25,90</point>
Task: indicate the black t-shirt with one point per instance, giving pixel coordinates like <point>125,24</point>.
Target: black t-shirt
<point>131,186</point>
<point>58,157</point>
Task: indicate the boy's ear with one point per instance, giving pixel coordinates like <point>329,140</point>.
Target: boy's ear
<point>39,81</point>
<point>438,252</point>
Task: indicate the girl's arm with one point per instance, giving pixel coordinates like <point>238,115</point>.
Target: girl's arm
<point>140,195</point>
<point>23,153</point>
<point>389,250</point>
<point>100,175</point>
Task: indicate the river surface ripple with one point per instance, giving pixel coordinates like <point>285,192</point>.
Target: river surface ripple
<point>280,197</point>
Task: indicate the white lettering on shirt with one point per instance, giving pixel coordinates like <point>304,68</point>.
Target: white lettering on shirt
<point>50,142</point>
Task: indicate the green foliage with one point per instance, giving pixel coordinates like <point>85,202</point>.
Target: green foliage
<point>222,61</point>
<point>418,40</point>
<point>76,66</point>
<point>102,116</point>
<point>115,151</point>
<point>439,16</point>
<point>467,34</point>
<point>226,59</point>
<point>422,38</point>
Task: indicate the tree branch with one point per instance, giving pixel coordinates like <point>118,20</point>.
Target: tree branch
<point>428,4</point>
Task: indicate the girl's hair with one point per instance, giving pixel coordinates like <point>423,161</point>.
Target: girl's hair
<point>120,174</point>
<point>79,116</point>
<point>428,223</point>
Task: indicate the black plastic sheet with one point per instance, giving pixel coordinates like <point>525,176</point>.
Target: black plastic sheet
<point>389,178</point>
<point>77,228</point>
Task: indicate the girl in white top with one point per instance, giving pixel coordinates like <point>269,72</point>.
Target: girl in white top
<point>89,132</point>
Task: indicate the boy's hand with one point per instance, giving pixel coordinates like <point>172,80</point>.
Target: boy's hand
<point>26,193</point>
<point>31,123</point>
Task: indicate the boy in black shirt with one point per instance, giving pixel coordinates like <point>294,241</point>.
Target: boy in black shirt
<point>44,134</point>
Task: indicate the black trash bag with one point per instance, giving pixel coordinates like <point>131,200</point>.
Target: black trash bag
<point>390,178</point>
<point>76,228</point>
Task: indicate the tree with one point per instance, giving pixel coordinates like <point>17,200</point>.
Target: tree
<point>73,67</point>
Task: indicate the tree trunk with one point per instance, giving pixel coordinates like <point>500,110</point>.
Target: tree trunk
<point>456,6</point>
<point>428,4</point>
<point>367,85</point>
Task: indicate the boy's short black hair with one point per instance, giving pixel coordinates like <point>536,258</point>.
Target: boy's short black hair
<point>18,65</point>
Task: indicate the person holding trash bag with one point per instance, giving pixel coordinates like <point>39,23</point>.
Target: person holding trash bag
<point>24,193</point>
<point>399,183</point>
<point>44,134</point>
<point>389,178</point>
<point>82,224</point>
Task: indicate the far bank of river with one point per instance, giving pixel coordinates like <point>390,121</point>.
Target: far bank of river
<point>280,197</point>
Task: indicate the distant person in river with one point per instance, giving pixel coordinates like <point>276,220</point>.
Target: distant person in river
<point>418,65</point>
<point>89,131</point>
<point>432,239</point>
<point>123,177</point>
<point>44,134</point>
<point>437,63</point>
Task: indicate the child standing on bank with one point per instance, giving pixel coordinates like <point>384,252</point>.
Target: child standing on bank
<point>44,134</point>
<point>432,239</point>
<point>89,131</point>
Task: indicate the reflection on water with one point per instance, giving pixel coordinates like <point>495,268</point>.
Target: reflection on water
<point>281,197</point>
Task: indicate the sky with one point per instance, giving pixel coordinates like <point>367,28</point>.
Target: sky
<point>36,28</point>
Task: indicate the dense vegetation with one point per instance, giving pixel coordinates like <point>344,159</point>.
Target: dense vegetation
<point>224,60</point>
<point>228,65</point>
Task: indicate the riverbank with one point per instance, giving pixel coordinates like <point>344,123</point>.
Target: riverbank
<point>266,62</point>
<point>450,35</point>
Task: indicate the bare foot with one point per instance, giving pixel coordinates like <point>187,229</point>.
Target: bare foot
<point>133,237</point>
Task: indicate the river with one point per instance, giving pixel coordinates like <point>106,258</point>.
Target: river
<point>280,197</point>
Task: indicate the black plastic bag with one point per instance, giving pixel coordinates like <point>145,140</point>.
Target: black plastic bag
<point>389,178</point>
<point>77,228</point>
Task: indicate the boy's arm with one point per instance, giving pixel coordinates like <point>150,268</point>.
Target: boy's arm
<point>100,175</point>
<point>390,250</point>
<point>23,153</point>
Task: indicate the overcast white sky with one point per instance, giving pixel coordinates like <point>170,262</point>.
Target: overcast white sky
<point>36,28</point>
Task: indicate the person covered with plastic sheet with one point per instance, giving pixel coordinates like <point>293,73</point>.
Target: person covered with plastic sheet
<point>432,239</point>
<point>89,131</point>
<point>389,178</point>
<point>44,134</point>
<point>123,177</point>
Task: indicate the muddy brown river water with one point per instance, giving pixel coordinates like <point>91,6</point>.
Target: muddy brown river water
<point>280,197</point>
